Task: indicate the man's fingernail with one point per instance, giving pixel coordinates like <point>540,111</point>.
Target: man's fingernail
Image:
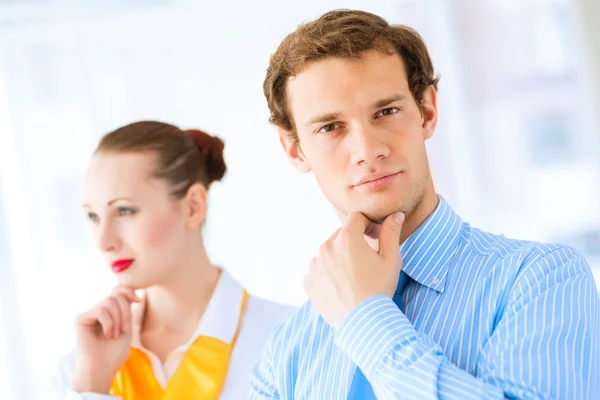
<point>399,217</point>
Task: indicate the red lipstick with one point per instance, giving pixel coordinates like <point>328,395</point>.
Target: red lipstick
<point>121,265</point>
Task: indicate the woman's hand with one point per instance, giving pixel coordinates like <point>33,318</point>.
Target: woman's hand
<point>103,341</point>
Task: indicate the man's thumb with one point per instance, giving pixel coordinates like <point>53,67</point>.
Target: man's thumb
<point>389,235</point>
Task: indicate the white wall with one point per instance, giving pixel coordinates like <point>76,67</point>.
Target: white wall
<point>71,71</point>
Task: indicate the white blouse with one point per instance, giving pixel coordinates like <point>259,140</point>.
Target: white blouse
<point>220,320</point>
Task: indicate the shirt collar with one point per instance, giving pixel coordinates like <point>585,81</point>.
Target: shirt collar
<point>427,253</point>
<point>220,319</point>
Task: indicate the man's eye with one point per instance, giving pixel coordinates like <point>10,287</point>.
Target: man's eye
<point>329,127</point>
<point>388,111</point>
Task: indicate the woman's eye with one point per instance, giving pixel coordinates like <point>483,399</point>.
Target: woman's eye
<point>92,217</point>
<point>123,211</point>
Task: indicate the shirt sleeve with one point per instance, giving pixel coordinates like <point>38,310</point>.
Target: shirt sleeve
<point>262,381</point>
<point>61,383</point>
<point>545,345</point>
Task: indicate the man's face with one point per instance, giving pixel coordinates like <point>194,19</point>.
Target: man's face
<point>361,133</point>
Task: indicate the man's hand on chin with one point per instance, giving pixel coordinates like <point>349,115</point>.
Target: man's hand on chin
<point>348,270</point>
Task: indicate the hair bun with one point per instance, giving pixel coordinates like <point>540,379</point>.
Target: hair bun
<point>212,149</point>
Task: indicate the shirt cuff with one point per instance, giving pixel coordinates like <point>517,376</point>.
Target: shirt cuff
<point>372,330</point>
<point>71,395</point>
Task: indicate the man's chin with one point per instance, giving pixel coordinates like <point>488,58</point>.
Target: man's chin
<point>373,229</point>
<point>377,217</point>
<point>378,211</point>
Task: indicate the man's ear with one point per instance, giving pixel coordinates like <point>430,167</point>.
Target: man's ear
<point>293,151</point>
<point>429,111</point>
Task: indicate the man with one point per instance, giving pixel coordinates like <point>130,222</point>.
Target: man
<point>406,300</point>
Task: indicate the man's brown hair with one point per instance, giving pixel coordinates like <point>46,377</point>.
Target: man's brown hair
<point>346,34</point>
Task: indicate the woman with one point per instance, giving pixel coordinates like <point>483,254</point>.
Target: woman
<point>195,333</point>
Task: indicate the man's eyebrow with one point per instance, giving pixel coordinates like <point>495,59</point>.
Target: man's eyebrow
<point>388,100</point>
<point>322,118</point>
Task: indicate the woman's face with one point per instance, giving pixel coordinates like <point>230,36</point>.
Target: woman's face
<point>138,226</point>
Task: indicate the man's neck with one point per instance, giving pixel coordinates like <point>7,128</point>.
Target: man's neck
<point>414,219</point>
<point>419,214</point>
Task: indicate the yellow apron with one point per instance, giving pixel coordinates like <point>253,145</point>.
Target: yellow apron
<point>200,375</point>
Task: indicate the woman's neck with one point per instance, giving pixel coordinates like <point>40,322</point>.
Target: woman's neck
<point>181,301</point>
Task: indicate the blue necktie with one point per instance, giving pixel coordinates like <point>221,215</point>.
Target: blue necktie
<point>361,388</point>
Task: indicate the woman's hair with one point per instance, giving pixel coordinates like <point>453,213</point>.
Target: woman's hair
<point>183,158</point>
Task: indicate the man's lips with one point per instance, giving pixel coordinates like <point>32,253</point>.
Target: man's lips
<point>375,181</point>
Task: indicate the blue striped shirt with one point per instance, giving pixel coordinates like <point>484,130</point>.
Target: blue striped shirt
<point>486,317</point>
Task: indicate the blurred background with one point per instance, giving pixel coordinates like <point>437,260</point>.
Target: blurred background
<point>517,149</point>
